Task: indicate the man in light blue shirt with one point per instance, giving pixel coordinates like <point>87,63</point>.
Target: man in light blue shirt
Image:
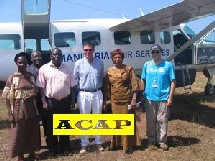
<point>89,73</point>
<point>159,84</point>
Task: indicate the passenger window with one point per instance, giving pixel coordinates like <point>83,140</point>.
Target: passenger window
<point>64,39</point>
<point>45,46</point>
<point>122,37</point>
<point>165,37</point>
<point>30,45</point>
<point>92,37</point>
<point>10,41</point>
<point>147,37</point>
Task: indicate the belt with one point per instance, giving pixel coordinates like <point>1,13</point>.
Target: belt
<point>94,90</point>
<point>61,99</point>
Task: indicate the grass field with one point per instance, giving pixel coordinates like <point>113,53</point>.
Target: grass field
<point>191,133</point>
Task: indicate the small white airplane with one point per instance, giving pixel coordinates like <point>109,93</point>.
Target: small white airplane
<point>134,37</point>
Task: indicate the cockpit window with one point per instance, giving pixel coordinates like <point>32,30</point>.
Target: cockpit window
<point>10,41</point>
<point>210,38</point>
<point>189,31</point>
<point>92,37</point>
<point>64,39</point>
<point>122,37</point>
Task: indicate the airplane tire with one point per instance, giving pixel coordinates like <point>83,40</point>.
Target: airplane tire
<point>209,89</point>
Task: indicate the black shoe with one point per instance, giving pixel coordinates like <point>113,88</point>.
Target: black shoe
<point>66,153</point>
<point>53,153</point>
<point>109,149</point>
<point>34,156</point>
<point>128,152</point>
<point>112,149</point>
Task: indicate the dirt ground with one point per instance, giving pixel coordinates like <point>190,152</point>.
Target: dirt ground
<point>191,133</point>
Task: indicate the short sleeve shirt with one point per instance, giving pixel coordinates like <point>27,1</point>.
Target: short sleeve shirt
<point>158,80</point>
<point>56,81</point>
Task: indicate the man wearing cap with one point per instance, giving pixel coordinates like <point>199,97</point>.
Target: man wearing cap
<point>159,85</point>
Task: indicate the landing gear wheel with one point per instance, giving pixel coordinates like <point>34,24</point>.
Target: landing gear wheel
<point>209,89</point>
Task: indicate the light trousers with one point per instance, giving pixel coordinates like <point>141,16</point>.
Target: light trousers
<point>90,102</point>
<point>157,114</point>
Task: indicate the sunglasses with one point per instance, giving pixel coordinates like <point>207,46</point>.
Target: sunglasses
<point>88,50</point>
<point>155,52</point>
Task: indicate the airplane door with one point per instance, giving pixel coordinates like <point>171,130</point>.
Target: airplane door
<point>184,57</point>
<point>205,49</point>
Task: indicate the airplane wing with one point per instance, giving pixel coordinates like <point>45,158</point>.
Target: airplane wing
<point>181,12</point>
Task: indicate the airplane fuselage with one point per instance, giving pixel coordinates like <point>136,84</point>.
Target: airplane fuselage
<point>69,35</point>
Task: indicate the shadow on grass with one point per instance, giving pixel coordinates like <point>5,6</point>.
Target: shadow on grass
<point>193,108</point>
<point>175,141</point>
<point>4,124</point>
<point>75,147</point>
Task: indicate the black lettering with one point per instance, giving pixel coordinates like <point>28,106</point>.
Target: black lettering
<point>142,53</point>
<point>97,55</point>
<point>64,124</point>
<point>137,54</point>
<point>119,123</point>
<point>129,54</point>
<point>102,125</point>
<point>79,125</point>
<point>167,52</point>
<point>69,57</point>
<point>77,57</point>
<point>147,53</point>
<point>106,56</point>
<point>63,58</point>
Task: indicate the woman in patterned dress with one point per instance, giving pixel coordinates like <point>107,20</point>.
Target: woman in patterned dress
<point>121,87</point>
<point>19,94</point>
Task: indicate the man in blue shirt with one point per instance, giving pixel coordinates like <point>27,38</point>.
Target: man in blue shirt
<point>89,73</point>
<point>159,84</point>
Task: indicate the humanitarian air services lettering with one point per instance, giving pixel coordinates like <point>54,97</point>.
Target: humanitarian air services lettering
<point>73,57</point>
<point>93,124</point>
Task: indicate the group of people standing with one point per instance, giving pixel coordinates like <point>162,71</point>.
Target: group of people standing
<point>55,86</point>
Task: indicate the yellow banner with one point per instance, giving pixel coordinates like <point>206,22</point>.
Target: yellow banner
<point>93,124</point>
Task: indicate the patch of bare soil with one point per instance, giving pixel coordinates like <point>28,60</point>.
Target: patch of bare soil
<point>191,133</point>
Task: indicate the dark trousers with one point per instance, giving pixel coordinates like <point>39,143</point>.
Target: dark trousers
<point>42,112</point>
<point>57,107</point>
